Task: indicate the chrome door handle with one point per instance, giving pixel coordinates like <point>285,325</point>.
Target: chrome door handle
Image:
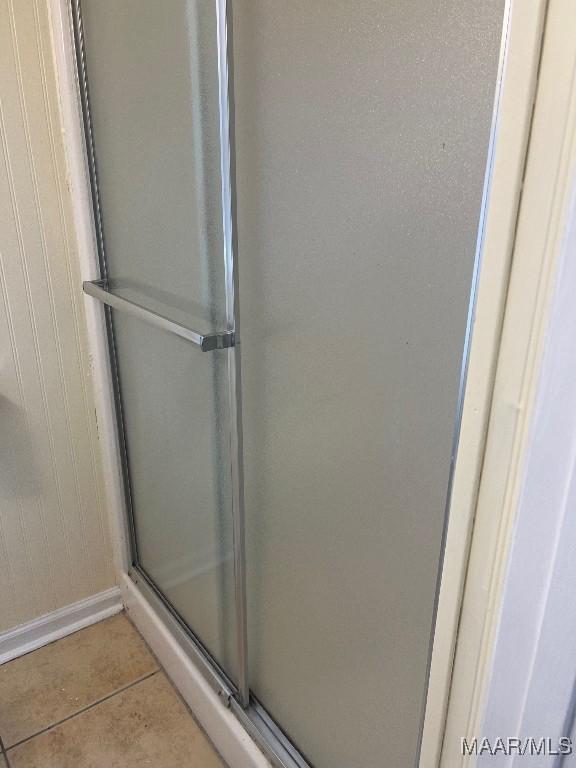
<point>206,341</point>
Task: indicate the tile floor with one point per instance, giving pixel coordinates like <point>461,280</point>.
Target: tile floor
<point>96,699</point>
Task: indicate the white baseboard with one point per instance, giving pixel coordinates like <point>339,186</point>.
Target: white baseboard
<point>52,626</point>
<point>228,735</point>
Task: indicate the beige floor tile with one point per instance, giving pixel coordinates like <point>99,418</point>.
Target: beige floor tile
<point>52,683</point>
<point>2,762</point>
<point>146,725</point>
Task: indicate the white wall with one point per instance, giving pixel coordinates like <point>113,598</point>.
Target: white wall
<point>54,541</point>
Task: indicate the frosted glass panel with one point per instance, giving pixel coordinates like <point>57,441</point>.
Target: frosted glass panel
<point>152,70</point>
<point>362,133</point>
<point>153,80</point>
<point>175,407</point>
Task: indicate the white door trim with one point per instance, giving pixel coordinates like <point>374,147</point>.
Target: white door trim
<point>541,224</point>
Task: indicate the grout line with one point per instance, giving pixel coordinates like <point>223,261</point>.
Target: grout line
<point>176,691</point>
<point>3,753</point>
<point>193,716</point>
<point>84,709</point>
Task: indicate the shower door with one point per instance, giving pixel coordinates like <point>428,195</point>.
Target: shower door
<point>154,89</point>
<point>345,228</point>
<point>362,138</point>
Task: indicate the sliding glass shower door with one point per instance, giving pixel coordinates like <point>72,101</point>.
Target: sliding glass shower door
<point>154,127</point>
<point>362,135</point>
<point>343,222</point>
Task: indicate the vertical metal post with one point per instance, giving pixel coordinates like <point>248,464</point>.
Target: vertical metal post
<point>226,94</point>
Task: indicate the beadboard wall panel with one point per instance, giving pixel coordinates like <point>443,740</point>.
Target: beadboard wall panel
<point>54,541</point>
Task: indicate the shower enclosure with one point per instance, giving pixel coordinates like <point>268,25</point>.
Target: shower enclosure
<point>287,480</point>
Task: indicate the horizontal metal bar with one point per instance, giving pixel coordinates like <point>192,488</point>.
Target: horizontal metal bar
<point>206,341</point>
